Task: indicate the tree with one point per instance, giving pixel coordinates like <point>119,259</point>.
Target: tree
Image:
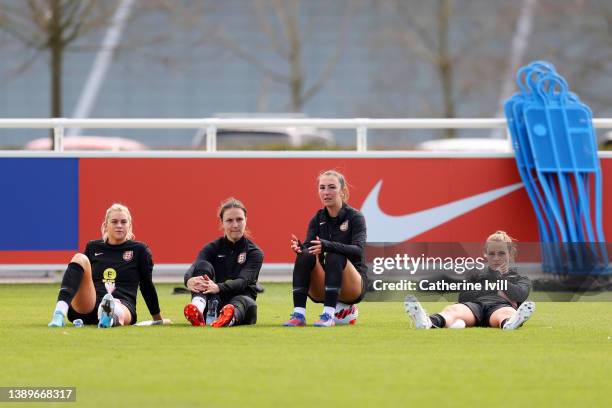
<point>281,23</point>
<point>433,46</point>
<point>51,26</point>
<point>454,48</point>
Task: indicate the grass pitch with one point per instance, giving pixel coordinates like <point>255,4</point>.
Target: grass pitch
<point>561,357</point>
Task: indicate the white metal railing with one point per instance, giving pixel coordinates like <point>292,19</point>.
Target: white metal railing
<point>361,125</point>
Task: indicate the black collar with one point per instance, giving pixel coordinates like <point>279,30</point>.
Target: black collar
<point>341,213</point>
<point>240,243</point>
<point>124,243</point>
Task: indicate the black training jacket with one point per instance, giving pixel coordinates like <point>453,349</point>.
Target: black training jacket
<point>236,266</point>
<point>518,287</point>
<point>344,234</point>
<point>128,265</point>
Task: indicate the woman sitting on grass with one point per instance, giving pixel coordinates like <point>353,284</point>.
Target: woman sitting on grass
<point>100,285</point>
<point>506,309</point>
<point>330,266</point>
<point>224,274</point>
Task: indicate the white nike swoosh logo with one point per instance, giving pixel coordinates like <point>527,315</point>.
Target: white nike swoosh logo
<point>98,253</point>
<point>391,228</point>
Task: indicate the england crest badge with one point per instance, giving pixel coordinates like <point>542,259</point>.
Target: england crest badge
<point>344,226</point>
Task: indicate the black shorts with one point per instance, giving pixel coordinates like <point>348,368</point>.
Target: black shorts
<point>482,311</point>
<point>92,317</point>
<point>364,287</point>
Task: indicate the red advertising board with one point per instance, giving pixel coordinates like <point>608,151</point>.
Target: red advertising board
<point>174,201</point>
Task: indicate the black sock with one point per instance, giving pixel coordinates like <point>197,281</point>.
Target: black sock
<point>304,264</point>
<point>503,322</point>
<point>70,282</point>
<point>299,297</point>
<point>438,321</point>
<point>331,297</point>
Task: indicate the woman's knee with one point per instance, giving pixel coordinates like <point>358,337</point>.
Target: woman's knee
<point>204,268</point>
<point>304,263</point>
<point>82,260</point>
<point>336,261</point>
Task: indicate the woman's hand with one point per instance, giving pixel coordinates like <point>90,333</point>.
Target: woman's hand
<point>158,319</point>
<point>210,287</point>
<point>503,268</point>
<point>316,247</point>
<point>505,296</point>
<point>196,284</point>
<point>295,244</point>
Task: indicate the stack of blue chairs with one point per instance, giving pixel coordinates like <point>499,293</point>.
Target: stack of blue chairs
<point>556,155</point>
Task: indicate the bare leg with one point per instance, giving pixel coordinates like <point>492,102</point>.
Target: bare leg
<point>125,317</point>
<point>457,311</point>
<point>500,315</point>
<point>84,300</point>
<point>351,283</point>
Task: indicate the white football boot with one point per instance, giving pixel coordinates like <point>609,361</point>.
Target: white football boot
<point>520,316</point>
<point>346,314</point>
<point>106,312</point>
<point>417,313</point>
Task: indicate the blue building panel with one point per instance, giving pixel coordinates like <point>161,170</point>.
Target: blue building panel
<point>39,204</point>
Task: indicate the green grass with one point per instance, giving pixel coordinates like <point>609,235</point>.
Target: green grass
<point>562,357</point>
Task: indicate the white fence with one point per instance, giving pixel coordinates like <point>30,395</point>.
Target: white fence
<point>361,125</point>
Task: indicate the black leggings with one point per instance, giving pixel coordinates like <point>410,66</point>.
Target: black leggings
<point>204,268</point>
<point>245,311</point>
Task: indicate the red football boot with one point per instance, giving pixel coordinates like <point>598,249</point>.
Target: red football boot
<point>194,316</point>
<point>226,317</point>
